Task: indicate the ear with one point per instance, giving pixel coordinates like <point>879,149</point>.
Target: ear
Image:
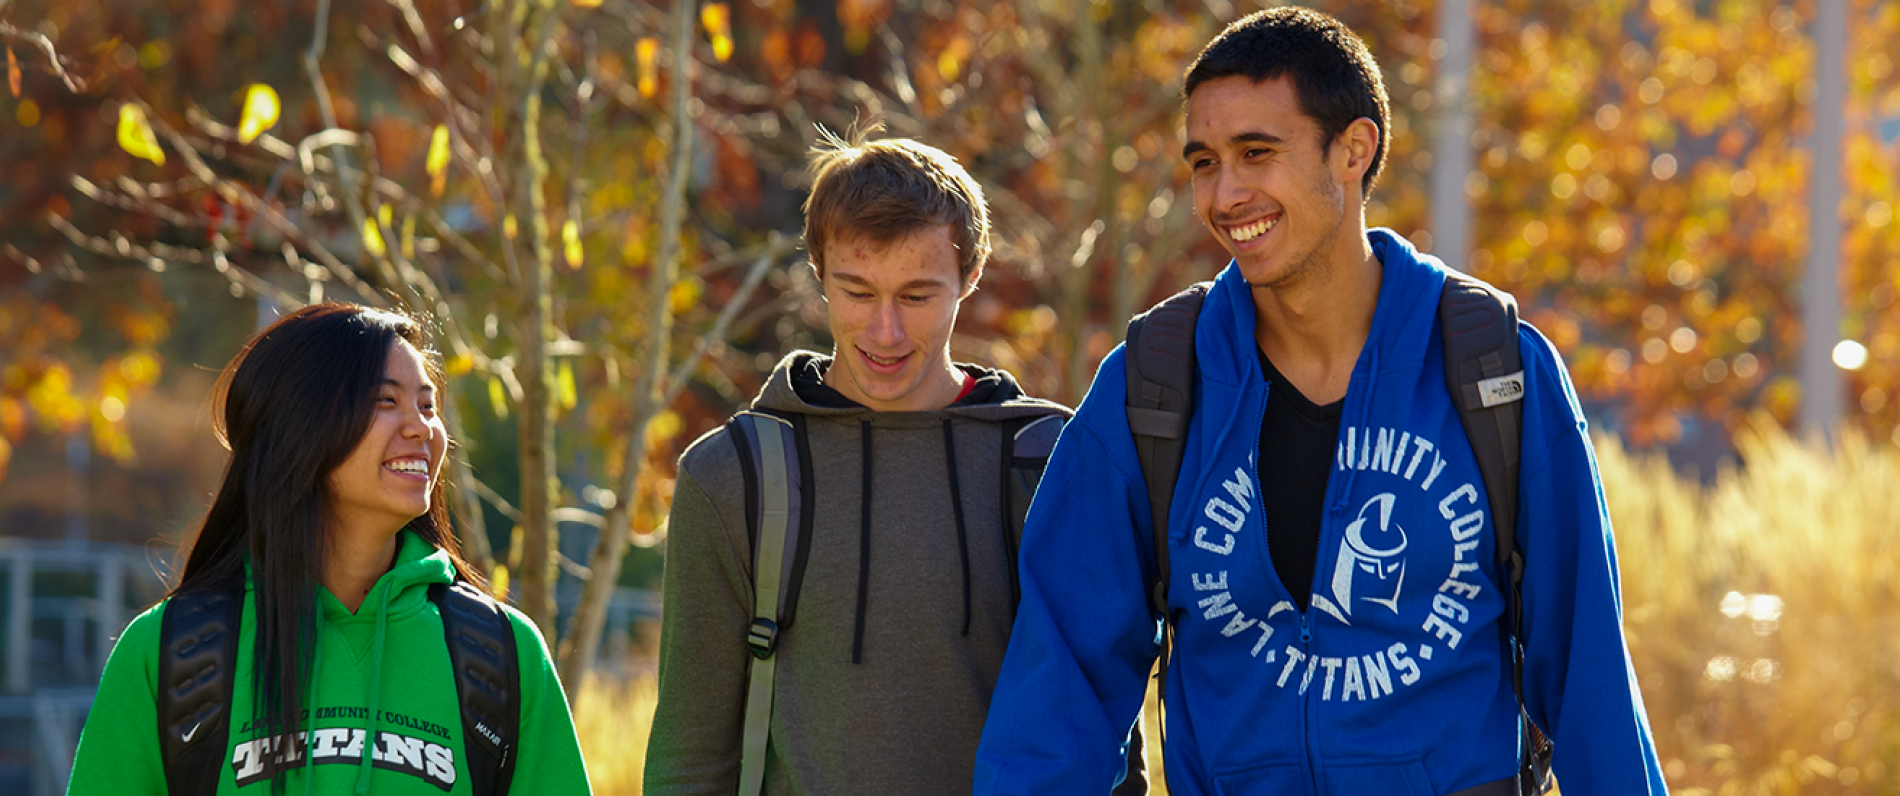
<point>1354,150</point>
<point>969,285</point>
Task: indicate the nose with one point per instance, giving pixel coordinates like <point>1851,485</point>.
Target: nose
<point>1230,192</point>
<point>886,328</point>
<point>414,425</point>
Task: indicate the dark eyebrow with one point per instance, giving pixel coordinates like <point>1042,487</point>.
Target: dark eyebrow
<point>1248,137</point>
<point>915,284</point>
<point>426,387</point>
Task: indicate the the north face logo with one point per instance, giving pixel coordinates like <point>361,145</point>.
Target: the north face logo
<point>1501,390</point>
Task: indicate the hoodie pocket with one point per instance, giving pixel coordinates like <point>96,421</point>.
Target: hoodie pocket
<point>1272,779</point>
<point>1385,777</point>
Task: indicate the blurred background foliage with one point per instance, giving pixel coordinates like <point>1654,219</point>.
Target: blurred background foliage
<point>1640,184</point>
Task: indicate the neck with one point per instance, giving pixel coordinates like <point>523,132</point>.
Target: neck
<point>941,384</point>
<point>1314,328</point>
<point>356,559</point>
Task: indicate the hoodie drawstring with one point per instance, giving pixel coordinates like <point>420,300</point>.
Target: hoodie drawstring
<point>375,692</point>
<point>956,503</point>
<point>864,545</point>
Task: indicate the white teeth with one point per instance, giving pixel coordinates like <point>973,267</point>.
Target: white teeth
<point>409,466</point>
<point>882,360</point>
<point>1251,231</point>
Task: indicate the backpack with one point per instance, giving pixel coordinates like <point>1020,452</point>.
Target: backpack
<point>1483,370</point>
<point>198,652</point>
<point>775,456</point>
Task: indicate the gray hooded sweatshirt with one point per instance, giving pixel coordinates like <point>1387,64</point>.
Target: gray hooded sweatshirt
<point>885,673</point>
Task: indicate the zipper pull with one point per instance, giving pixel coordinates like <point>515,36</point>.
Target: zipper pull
<point>1306,629</point>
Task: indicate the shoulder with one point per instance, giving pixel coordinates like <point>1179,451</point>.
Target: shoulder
<point>712,462</point>
<point>143,635</point>
<point>1547,380</point>
<point>530,646</point>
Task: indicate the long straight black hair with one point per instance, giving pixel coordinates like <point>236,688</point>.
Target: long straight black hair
<point>291,407</point>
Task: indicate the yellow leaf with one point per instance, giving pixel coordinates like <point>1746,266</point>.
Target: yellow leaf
<point>684,295</point>
<point>571,242</point>
<point>499,583</point>
<point>260,112</point>
<point>663,427</point>
<point>409,237</point>
<point>566,391</point>
<point>586,3</point>
<point>459,365</point>
<point>647,53</point>
<point>372,238</point>
<point>135,135</point>
<point>437,164</point>
<point>498,397</point>
<point>509,228</point>
<point>717,17</point>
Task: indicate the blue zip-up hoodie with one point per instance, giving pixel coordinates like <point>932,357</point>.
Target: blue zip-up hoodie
<point>1394,681</point>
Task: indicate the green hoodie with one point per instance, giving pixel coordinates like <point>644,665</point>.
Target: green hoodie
<point>382,672</point>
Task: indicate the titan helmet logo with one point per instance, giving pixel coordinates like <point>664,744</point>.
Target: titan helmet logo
<point>1370,565</point>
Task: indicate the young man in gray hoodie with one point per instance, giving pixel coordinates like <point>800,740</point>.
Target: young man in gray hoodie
<point>885,664</point>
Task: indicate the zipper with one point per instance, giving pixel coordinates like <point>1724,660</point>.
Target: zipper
<point>1307,742</point>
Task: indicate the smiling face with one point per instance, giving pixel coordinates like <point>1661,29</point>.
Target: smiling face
<point>891,308</point>
<point>387,479</point>
<point>1278,198</point>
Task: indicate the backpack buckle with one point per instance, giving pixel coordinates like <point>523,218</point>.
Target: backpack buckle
<point>762,637</point>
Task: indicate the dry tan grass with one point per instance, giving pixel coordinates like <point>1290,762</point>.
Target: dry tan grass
<point>614,718</point>
<point>1790,695</point>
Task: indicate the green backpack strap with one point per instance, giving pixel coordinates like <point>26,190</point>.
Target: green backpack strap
<point>198,646</point>
<point>774,458</point>
<point>1485,372</point>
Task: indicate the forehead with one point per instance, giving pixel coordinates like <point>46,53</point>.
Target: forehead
<point>1222,109</point>
<point>406,366</point>
<point>926,256</point>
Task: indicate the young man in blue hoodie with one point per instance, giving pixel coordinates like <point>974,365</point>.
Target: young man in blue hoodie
<point>1338,615</point>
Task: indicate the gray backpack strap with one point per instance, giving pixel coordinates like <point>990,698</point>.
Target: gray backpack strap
<point>1485,372</point>
<point>1159,358</point>
<point>770,448</point>
<point>198,649</point>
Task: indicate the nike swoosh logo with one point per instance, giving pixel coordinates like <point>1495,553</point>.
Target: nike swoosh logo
<point>189,733</point>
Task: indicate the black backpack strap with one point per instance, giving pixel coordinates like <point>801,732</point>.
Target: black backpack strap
<point>1484,371</point>
<point>1027,443</point>
<point>1159,358</point>
<point>487,683</point>
<point>198,648</point>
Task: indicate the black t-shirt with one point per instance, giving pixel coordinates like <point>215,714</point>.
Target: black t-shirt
<point>1297,443</point>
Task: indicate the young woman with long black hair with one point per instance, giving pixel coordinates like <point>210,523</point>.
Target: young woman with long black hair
<point>331,533</point>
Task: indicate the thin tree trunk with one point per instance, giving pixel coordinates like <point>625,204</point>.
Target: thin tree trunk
<point>604,562</point>
<point>1822,386</point>
<point>540,538</point>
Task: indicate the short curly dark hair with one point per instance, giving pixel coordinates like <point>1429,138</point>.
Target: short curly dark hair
<point>1333,73</point>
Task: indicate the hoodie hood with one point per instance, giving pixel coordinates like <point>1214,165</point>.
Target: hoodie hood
<point>797,386</point>
<point>399,593</point>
